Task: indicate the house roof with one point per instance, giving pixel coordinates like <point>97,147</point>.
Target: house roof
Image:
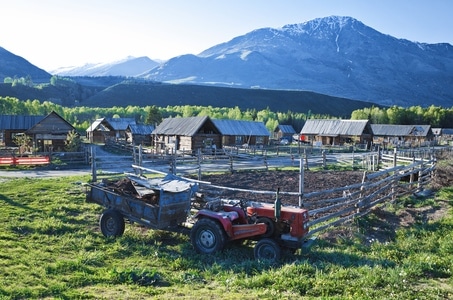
<point>111,124</point>
<point>95,125</point>
<point>447,131</point>
<point>334,127</point>
<point>52,123</point>
<point>442,131</point>
<point>240,127</point>
<point>17,122</point>
<point>140,129</point>
<point>289,129</point>
<point>183,126</point>
<point>400,130</point>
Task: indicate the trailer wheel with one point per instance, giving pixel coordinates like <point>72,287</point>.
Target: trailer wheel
<point>111,223</point>
<point>207,236</point>
<point>267,249</point>
<point>270,226</point>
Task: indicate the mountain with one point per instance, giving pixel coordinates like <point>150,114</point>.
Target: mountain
<point>12,66</point>
<point>337,56</point>
<point>128,67</point>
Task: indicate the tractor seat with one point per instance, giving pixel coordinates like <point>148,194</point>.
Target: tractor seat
<point>232,215</point>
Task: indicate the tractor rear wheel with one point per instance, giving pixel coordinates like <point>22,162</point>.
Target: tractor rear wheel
<point>207,236</point>
<point>111,223</point>
<point>270,226</point>
<point>267,249</point>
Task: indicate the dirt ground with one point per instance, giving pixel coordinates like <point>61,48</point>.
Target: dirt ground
<point>286,181</point>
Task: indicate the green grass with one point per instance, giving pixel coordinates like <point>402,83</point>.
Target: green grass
<point>51,247</point>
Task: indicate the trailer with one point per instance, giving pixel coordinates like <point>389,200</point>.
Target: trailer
<point>162,203</point>
<point>168,204</point>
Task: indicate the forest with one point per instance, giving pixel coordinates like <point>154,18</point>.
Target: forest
<point>81,117</point>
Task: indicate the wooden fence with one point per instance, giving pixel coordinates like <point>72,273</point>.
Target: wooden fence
<point>183,164</point>
<point>338,205</point>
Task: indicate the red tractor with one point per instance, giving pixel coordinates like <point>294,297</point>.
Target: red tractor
<point>273,226</point>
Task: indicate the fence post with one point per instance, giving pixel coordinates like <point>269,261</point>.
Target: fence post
<point>306,158</point>
<point>93,164</point>
<point>420,174</point>
<point>362,187</point>
<point>173,156</point>
<point>265,161</point>
<point>140,155</point>
<point>301,182</point>
<point>199,163</point>
<point>324,164</point>
<point>378,161</point>
<point>411,177</point>
<point>231,164</point>
<point>394,157</point>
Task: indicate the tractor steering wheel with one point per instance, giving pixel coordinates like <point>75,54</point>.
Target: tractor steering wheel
<point>242,203</point>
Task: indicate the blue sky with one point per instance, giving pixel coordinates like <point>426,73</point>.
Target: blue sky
<point>61,33</point>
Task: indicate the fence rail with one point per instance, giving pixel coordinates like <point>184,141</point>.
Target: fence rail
<point>24,161</point>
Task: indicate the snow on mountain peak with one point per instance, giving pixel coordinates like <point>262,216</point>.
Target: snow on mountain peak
<point>319,27</point>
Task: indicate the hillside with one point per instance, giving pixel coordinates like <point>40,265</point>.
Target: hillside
<point>12,65</point>
<point>143,94</point>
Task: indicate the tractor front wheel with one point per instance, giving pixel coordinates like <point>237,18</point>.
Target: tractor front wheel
<point>267,249</point>
<point>207,236</point>
<point>111,223</point>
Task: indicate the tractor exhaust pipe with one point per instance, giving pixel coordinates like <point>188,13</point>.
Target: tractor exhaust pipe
<point>277,205</point>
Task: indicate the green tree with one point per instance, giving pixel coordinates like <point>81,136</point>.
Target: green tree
<point>154,116</point>
<point>72,142</point>
<point>22,141</point>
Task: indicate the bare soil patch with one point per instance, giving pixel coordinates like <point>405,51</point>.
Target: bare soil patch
<point>286,181</point>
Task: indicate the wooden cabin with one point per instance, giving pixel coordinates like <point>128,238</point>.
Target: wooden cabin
<point>187,134</point>
<point>108,128</point>
<point>11,125</point>
<point>240,132</point>
<point>139,134</point>
<point>284,132</point>
<point>401,135</point>
<point>336,132</point>
<point>50,133</point>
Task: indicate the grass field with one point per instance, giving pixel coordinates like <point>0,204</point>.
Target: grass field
<point>51,247</point>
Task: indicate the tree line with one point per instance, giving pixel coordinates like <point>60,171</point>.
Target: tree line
<point>435,116</point>
<point>81,117</point>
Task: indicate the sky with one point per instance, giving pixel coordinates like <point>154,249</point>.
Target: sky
<point>63,33</point>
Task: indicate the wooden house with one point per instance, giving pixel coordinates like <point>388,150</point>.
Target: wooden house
<point>139,134</point>
<point>11,125</point>
<point>443,135</point>
<point>336,132</point>
<point>240,132</point>
<point>50,133</point>
<point>284,132</point>
<point>401,135</point>
<point>108,128</point>
<point>188,134</point>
